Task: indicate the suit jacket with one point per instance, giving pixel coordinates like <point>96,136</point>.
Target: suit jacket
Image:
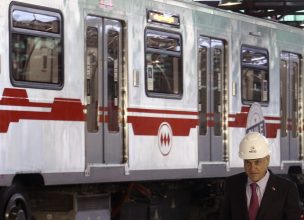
<point>280,200</point>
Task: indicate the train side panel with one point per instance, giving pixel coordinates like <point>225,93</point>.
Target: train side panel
<point>42,129</point>
<point>162,125</point>
<point>158,107</point>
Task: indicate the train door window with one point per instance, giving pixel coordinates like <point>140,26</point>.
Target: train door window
<point>211,75</point>
<point>203,61</point>
<point>295,82</point>
<point>283,94</point>
<point>295,75</point>
<point>255,75</point>
<point>36,47</point>
<point>92,77</point>
<point>163,64</point>
<point>113,49</point>
<point>217,79</point>
<point>212,99</point>
<point>290,80</point>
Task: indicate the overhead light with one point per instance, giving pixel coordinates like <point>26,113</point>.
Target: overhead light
<point>230,2</point>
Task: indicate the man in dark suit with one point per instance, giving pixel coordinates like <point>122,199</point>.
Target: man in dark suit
<point>258,194</point>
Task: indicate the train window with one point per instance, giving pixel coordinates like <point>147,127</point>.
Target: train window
<point>36,47</point>
<point>255,75</point>
<point>283,95</point>
<point>211,85</point>
<point>290,98</point>
<point>203,64</point>
<point>92,77</point>
<point>163,64</point>
<point>217,75</point>
<point>113,69</point>
<point>295,94</point>
<point>163,43</point>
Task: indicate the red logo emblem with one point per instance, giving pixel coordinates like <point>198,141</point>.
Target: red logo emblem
<point>165,138</point>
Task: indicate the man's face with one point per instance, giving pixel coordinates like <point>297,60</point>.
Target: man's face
<point>256,168</point>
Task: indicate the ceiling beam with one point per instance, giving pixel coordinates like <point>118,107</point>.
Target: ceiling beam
<point>269,9</point>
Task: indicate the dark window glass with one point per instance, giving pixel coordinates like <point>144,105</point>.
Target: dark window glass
<point>35,21</point>
<point>163,42</point>
<point>295,94</point>
<point>36,59</point>
<point>290,98</point>
<point>113,70</point>
<point>203,64</point>
<point>218,72</point>
<point>283,96</point>
<point>255,75</point>
<point>254,58</point>
<point>163,73</point>
<point>92,78</point>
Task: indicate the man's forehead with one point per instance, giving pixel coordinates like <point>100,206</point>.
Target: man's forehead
<point>253,160</point>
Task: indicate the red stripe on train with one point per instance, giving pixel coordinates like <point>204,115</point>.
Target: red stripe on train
<point>240,121</point>
<point>72,110</point>
<point>61,109</point>
<point>150,125</point>
<point>145,125</point>
<point>18,97</point>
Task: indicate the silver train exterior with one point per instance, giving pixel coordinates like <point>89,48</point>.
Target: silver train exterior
<point>95,91</point>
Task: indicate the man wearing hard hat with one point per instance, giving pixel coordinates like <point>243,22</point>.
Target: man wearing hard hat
<point>257,193</point>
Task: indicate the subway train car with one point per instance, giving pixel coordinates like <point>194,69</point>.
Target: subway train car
<point>112,107</point>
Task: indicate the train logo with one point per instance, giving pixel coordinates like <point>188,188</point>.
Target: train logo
<point>165,138</point>
<point>255,120</point>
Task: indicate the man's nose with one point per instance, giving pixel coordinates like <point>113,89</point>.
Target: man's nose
<point>252,167</point>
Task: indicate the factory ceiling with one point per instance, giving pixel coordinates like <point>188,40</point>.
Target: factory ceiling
<point>290,12</point>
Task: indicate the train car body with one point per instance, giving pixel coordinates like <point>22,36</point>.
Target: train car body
<point>96,91</point>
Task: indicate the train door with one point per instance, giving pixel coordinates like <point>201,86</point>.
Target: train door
<point>211,93</point>
<point>289,98</point>
<point>103,83</point>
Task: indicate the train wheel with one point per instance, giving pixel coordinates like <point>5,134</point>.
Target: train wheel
<point>14,204</point>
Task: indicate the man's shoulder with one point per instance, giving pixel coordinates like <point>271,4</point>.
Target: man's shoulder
<point>281,180</point>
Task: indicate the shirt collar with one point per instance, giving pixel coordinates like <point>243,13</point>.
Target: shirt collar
<point>262,182</point>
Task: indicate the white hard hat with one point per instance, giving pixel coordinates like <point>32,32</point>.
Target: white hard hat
<point>253,146</point>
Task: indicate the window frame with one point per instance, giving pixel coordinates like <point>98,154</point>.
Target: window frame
<point>170,53</point>
<point>255,67</point>
<point>35,33</point>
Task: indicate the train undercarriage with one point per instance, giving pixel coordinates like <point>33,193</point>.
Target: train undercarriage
<point>188,199</point>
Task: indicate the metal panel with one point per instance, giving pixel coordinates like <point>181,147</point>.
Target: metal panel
<point>94,92</point>
<point>113,128</point>
<point>217,98</point>
<point>211,98</point>
<point>104,108</point>
<point>294,106</point>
